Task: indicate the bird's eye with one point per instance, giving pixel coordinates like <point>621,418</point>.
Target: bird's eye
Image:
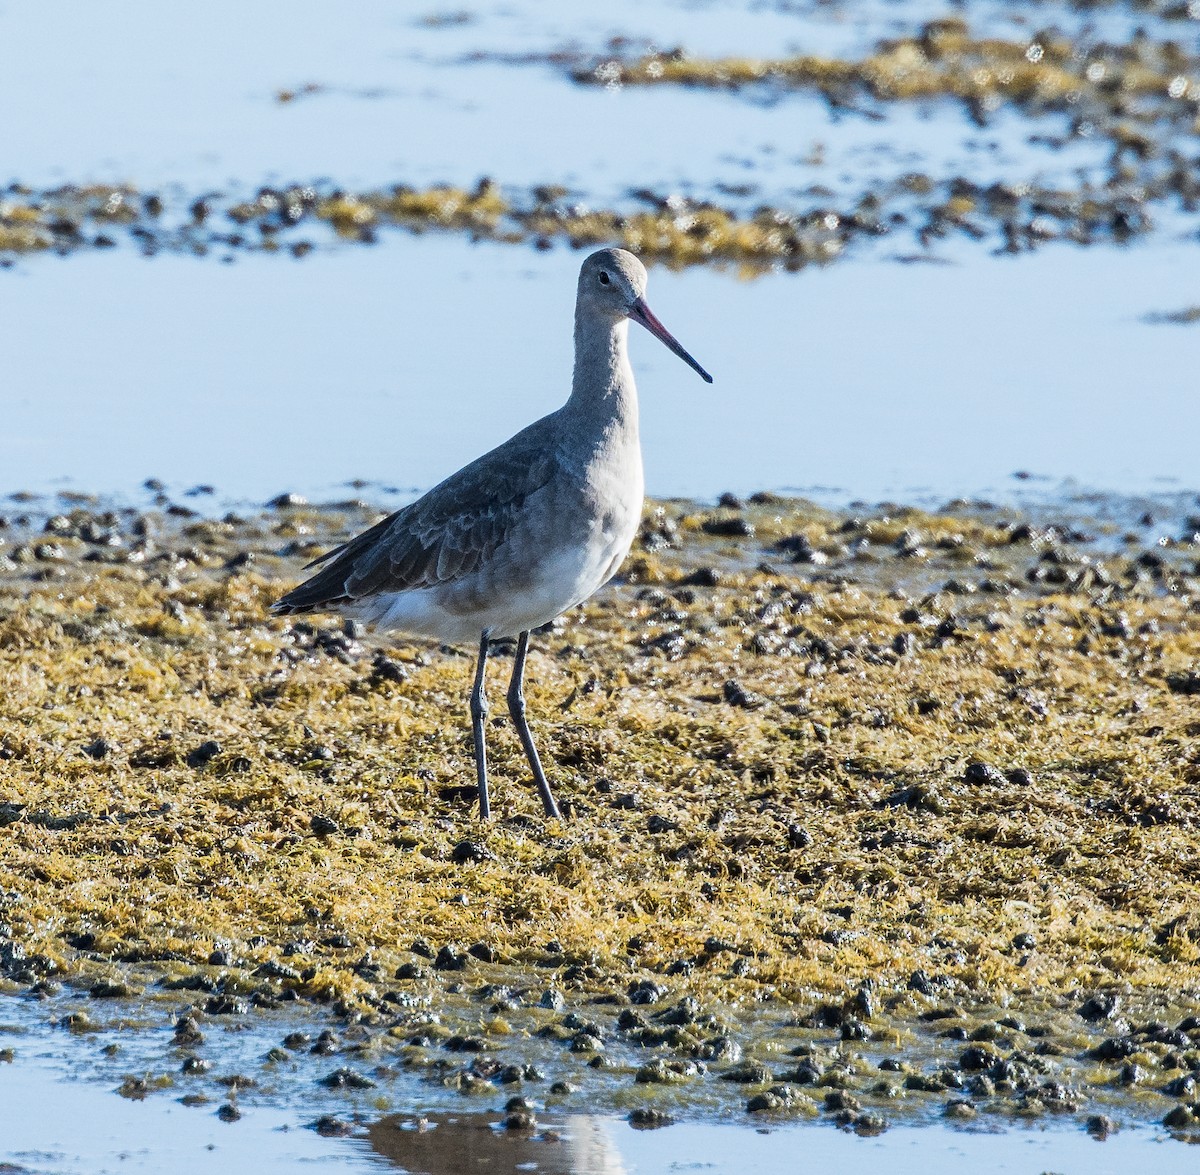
<point>603,278</point>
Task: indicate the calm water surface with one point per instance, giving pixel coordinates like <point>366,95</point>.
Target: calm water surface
<point>59,1124</point>
<point>399,363</point>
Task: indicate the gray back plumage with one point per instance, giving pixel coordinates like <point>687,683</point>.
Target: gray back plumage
<point>458,525</point>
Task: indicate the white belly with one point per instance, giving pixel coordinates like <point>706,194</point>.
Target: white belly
<point>528,582</point>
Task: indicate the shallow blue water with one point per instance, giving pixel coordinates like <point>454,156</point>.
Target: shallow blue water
<point>399,363</point>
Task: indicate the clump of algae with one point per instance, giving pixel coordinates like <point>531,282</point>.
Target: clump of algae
<point>943,60</point>
<point>675,234</point>
<point>847,746</point>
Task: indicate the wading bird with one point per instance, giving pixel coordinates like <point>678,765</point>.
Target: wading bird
<point>524,532</point>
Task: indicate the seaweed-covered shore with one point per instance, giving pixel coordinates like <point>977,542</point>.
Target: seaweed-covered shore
<point>926,784</point>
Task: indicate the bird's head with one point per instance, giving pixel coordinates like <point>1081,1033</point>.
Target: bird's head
<point>612,284</point>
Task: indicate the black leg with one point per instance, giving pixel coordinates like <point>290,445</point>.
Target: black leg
<point>516,707</point>
<point>479,712</point>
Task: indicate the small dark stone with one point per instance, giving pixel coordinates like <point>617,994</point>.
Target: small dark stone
<point>204,754</point>
<point>749,1073</point>
<point>798,837</point>
<point>1024,942</point>
<point>422,947</point>
<point>978,1058</point>
<point>411,971</point>
<point>1183,1117</point>
<point>187,1032</point>
<point>383,668</point>
<point>482,952</point>
<point>1184,683</point>
<point>287,501</point>
<point>225,1005</point>
<point>647,1119</point>
<point>981,773</point>
<point>323,826</point>
<point>450,958</point>
<point>195,1065</point>
<point>274,970</point>
<point>98,749</point>
<point>645,991</point>
<point>111,989</point>
<point>464,1044</point>
<point>229,1113</point>
<point>735,694</point>
<point>839,1099</point>
<point>728,527</point>
<point>1099,1007</point>
<point>1181,1087</point>
<point>330,1127</point>
<point>470,852</point>
<point>347,1079</point>
<point>1100,1126</point>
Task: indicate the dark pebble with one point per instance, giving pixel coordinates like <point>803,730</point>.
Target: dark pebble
<point>749,1073</point>
<point>204,754</point>
<point>728,527</point>
<point>450,958</point>
<point>225,1005</point>
<point>469,852</point>
<point>347,1079</point>
<point>1183,1117</point>
<point>798,837</point>
<point>736,694</point>
<point>323,826</point>
<point>229,1113</point>
<point>330,1127</point>
<point>703,577</point>
<point>980,773</point>
<point>1099,1007</point>
<point>839,1099</point>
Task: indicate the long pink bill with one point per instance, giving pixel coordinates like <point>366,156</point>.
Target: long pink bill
<point>643,314</point>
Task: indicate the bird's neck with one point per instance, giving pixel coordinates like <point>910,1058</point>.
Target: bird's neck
<point>602,391</point>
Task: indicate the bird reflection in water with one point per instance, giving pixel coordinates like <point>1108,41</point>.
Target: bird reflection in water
<point>455,1144</point>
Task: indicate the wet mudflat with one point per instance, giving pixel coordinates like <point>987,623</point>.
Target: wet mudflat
<point>875,817</point>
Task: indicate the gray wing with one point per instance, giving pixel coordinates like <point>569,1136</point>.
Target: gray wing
<point>438,538</point>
